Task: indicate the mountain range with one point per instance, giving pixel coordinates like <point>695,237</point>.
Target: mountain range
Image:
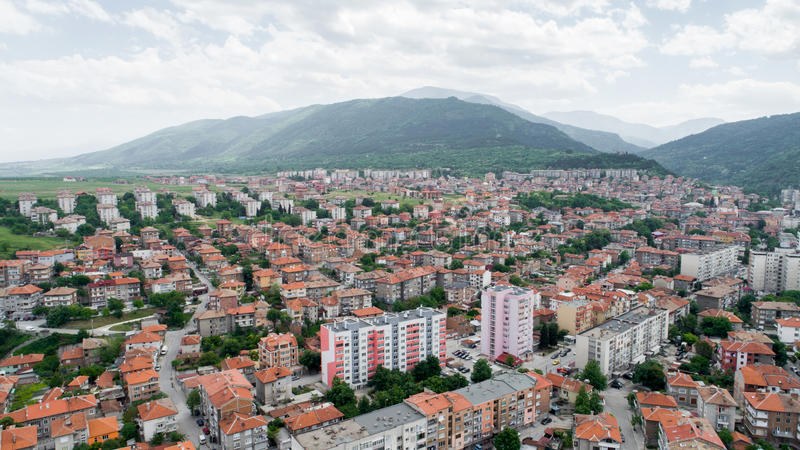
<point>395,132</point>
<point>640,134</point>
<point>599,140</point>
<point>466,132</point>
<point>763,154</point>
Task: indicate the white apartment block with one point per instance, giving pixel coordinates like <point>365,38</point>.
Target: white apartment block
<point>265,196</point>
<point>66,202</point>
<point>69,223</point>
<point>251,206</point>
<point>507,321</point>
<point>711,263</point>
<point>774,271</point>
<point>205,198</point>
<point>624,340</point>
<point>107,212</point>
<point>106,196</point>
<point>148,210</point>
<point>353,348</point>
<point>184,208</point>
<point>26,202</point>
<point>144,195</point>
<point>43,215</point>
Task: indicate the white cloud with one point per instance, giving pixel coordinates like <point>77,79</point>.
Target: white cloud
<point>697,40</point>
<point>732,100</point>
<point>704,62</point>
<point>85,8</point>
<point>670,5</point>
<point>158,23</point>
<point>14,21</point>
<point>773,30</point>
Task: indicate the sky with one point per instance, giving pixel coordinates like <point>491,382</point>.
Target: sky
<point>85,75</point>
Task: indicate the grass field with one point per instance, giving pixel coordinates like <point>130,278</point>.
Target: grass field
<point>103,321</point>
<point>10,243</point>
<point>48,187</point>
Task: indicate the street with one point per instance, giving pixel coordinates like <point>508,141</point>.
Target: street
<point>169,385</point>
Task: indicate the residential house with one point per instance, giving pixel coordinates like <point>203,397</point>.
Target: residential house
<point>596,432</point>
<point>157,416</point>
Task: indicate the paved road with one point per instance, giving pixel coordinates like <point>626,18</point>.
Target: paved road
<point>186,423</point>
<point>616,402</point>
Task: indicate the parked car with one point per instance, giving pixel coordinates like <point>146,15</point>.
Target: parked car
<point>616,384</point>
<point>546,420</point>
<point>200,422</point>
<point>556,362</point>
<point>554,356</point>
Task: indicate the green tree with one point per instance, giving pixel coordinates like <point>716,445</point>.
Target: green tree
<point>726,437</point>
<point>193,400</point>
<point>595,402</point>
<point>481,371</point>
<point>651,374</point>
<point>594,375</point>
<point>781,357</point>
<point>704,349</point>
<point>312,360</point>
<point>716,326</point>
<point>508,439</point>
<point>340,393</point>
<point>428,367</point>
<point>129,431</point>
<point>582,402</point>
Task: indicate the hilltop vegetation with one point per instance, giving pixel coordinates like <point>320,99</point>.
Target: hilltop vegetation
<point>394,132</point>
<point>762,155</point>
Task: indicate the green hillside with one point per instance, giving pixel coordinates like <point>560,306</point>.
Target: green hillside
<point>393,132</point>
<point>762,155</point>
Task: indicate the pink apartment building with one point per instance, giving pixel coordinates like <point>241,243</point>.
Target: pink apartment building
<point>353,348</point>
<point>507,321</point>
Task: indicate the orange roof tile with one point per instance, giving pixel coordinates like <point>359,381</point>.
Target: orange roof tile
<point>103,426</point>
<point>19,438</point>
<point>313,418</point>
<point>597,428</point>
<point>157,409</point>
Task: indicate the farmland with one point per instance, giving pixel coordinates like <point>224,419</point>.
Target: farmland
<point>10,188</point>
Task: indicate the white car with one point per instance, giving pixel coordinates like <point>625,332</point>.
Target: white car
<point>30,328</point>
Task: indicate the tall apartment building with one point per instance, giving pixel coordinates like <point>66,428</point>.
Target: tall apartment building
<point>148,210</point>
<point>353,348</point>
<point>507,321</point>
<point>184,208</point>
<point>106,196</point>
<point>710,263</point>
<point>107,212</point>
<point>205,198</point>
<point>405,284</point>
<point>773,417</point>
<point>66,201</point>
<point>774,271</point>
<point>623,341</point>
<point>406,430</point>
<point>764,314</point>
<point>26,202</point>
<point>278,350</point>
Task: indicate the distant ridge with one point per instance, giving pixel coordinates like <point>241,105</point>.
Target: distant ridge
<point>762,155</point>
<point>599,140</point>
<point>640,134</point>
<point>394,132</point>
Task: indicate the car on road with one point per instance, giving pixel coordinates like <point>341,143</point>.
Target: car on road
<point>546,420</point>
<point>158,367</point>
<point>627,375</point>
<point>554,356</point>
<point>556,362</point>
<point>616,384</point>
<point>30,328</point>
<point>200,422</point>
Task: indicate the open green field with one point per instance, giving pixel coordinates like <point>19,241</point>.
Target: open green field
<point>10,243</point>
<point>100,321</point>
<point>48,187</point>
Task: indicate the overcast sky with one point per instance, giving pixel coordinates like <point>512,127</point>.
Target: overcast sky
<point>83,75</point>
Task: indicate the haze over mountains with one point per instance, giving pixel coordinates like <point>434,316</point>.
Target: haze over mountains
<point>470,133</point>
<point>638,133</point>
<point>599,140</point>
<point>394,132</point>
<point>760,154</point>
